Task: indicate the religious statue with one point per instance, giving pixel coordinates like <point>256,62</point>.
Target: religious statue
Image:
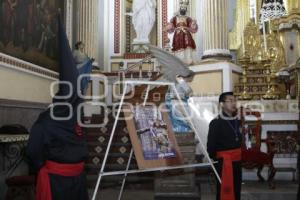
<point>183,26</point>
<point>174,70</point>
<point>177,116</point>
<point>143,18</point>
<point>79,56</point>
<point>83,62</point>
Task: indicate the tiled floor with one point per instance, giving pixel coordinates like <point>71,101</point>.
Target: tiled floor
<point>250,191</point>
<point>261,191</point>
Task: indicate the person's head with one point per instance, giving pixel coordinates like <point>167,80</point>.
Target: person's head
<point>79,45</point>
<point>228,102</point>
<point>182,10</point>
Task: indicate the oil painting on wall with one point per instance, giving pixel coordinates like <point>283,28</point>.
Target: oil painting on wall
<point>29,30</point>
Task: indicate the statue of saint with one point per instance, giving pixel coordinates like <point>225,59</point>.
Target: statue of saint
<point>183,43</point>
<point>177,115</point>
<point>79,56</point>
<point>143,18</point>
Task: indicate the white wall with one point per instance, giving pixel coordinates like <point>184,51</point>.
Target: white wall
<point>18,85</point>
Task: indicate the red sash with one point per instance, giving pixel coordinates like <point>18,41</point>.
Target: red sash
<point>43,189</point>
<point>227,185</point>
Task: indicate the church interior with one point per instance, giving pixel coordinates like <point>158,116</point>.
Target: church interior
<point>249,47</point>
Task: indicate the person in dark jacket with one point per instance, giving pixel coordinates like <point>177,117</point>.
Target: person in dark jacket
<point>224,145</point>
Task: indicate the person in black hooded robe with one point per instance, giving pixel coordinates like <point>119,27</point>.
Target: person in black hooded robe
<point>57,146</point>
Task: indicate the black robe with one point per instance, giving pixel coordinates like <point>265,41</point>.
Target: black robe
<point>60,140</point>
<point>298,169</point>
<point>221,137</point>
<point>52,140</point>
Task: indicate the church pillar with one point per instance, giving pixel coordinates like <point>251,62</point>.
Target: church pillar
<point>87,28</point>
<point>69,20</point>
<point>215,29</point>
<point>219,70</point>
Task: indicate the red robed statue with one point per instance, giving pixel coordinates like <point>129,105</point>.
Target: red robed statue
<point>183,42</point>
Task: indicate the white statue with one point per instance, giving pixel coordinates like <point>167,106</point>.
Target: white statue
<point>143,18</point>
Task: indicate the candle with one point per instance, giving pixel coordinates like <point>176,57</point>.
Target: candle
<point>264,32</point>
<point>243,39</point>
<point>276,13</point>
<point>270,26</point>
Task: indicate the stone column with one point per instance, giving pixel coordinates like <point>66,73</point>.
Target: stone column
<point>69,20</point>
<point>87,28</point>
<point>215,29</point>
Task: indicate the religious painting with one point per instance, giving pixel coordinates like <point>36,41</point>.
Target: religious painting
<point>29,30</point>
<point>152,138</point>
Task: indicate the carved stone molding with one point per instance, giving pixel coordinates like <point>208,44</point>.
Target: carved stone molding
<point>164,21</point>
<point>117,27</point>
<point>21,65</point>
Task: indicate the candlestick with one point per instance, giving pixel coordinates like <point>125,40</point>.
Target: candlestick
<point>276,13</point>
<point>243,27</point>
<point>264,33</point>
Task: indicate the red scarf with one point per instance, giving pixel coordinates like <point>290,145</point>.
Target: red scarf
<point>43,189</point>
<point>227,185</point>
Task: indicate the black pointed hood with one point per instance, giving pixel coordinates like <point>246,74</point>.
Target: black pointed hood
<point>67,69</point>
<point>67,73</point>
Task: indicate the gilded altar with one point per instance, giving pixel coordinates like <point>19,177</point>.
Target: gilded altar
<point>262,56</point>
<point>260,64</point>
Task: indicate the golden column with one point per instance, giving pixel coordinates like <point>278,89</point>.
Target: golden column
<point>242,17</point>
<point>87,28</point>
<point>293,6</point>
<point>215,29</point>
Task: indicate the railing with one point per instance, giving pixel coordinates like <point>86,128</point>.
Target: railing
<point>130,70</point>
<point>115,79</point>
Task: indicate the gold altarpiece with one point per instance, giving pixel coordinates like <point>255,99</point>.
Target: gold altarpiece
<point>259,66</point>
<point>259,79</point>
<point>242,16</point>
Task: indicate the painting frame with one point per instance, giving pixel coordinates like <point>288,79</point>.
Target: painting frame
<point>20,64</point>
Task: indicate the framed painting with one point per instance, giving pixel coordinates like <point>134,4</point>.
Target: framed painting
<point>152,137</point>
<point>29,30</point>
